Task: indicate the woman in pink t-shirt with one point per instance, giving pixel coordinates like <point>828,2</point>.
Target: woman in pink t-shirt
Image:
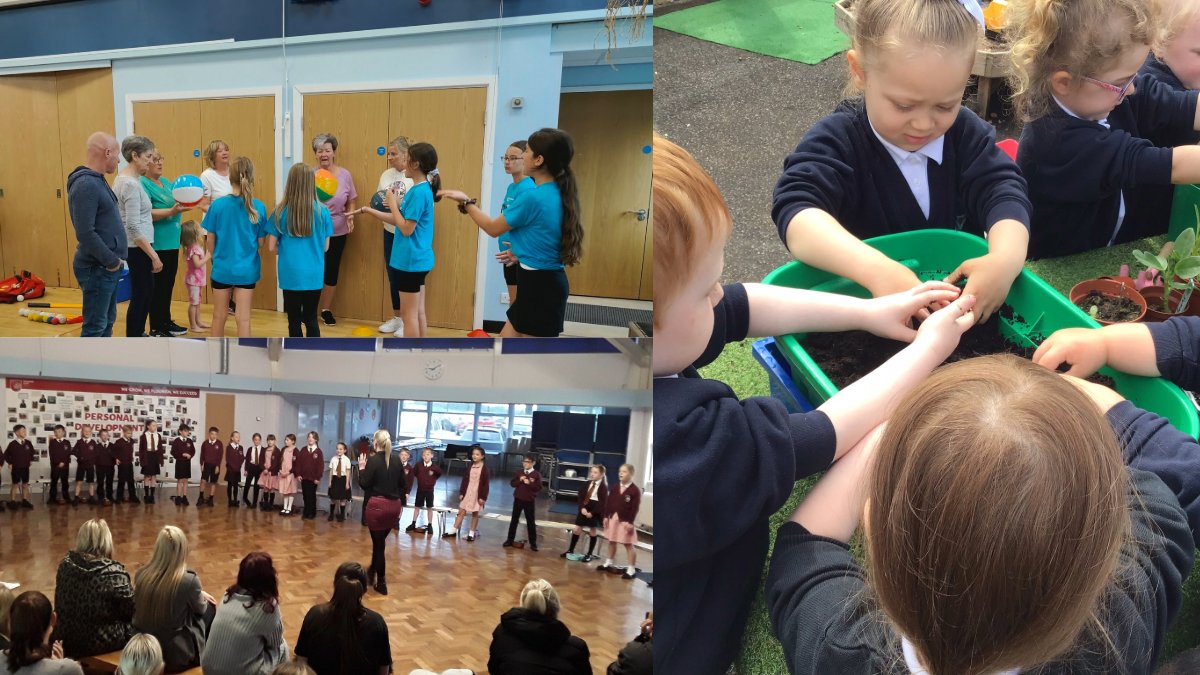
<point>341,207</point>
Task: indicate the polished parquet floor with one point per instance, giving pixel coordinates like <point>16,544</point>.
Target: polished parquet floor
<point>446,595</point>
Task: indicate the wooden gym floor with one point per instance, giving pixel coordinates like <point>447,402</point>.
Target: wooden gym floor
<point>445,595</point>
<point>263,322</point>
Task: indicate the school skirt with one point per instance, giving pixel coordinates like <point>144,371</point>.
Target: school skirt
<point>596,520</point>
<point>183,468</point>
<point>382,513</point>
<point>541,302</point>
<point>268,482</point>
<point>339,487</point>
<point>618,532</point>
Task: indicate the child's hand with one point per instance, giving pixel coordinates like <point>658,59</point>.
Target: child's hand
<point>457,195</point>
<point>894,278</point>
<point>941,331</point>
<point>988,278</point>
<point>1102,396</point>
<point>56,651</point>
<point>889,315</point>
<point>1081,348</point>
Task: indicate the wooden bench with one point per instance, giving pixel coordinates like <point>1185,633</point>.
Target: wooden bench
<point>106,664</point>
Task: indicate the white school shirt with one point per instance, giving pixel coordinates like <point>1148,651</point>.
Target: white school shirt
<point>593,490</point>
<point>914,166</point>
<point>255,455</point>
<point>1121,210</point>
<point>333,465</point>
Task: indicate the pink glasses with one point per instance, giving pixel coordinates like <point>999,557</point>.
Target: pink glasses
<point>1119,91</point>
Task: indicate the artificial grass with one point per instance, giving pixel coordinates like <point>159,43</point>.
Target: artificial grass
<point>797,30</point>
<point>761,653</point>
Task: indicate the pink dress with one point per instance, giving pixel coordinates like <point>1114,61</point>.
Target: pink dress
<point>470,501</point>
<point>266,481</point>
<point>288,485</point>
<point>195,275</point>
<point>616,531</point>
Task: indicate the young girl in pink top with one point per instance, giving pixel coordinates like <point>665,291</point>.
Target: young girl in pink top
<point>288,483</point>
<point>269,479</point>
<point>197,260</point>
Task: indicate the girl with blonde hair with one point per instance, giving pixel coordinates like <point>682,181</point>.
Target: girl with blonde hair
<point>300,228</point>
<point>171,604</point>
<point>235,224</point>
<point>382,481</point>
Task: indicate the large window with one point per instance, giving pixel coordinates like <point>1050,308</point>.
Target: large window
<point>490,424</point>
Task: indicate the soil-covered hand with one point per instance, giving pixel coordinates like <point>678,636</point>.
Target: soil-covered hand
<point>889,316</point>
<point>988,278</point>
<point>890,279</point>
<point>941,331</point>
<point>1083,349</point>
<point>1102,396</point>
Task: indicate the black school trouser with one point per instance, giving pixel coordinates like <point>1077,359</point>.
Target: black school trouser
<point>104,482</point>
<point>520,507</point>
<point>125,477</point>
<point>301,308</point>
<point>252,475</point>
<point>231,480</point>
<point>309,488</point>
<point>57,475</point>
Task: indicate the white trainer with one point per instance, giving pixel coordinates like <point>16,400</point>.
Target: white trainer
<point>392,325</point>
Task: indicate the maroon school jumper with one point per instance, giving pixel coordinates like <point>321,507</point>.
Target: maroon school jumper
<point>624,505</point>
<point>104,456</point>
<point>426,476</point>
<point>484,477</point>
<point>234,456</point>
<point>210,453</point>
<point>181,446</point>
<point>19,454</point>
<point>86,450</point>
<point>523,492</point>
<point>123,451</point>
<point>60,453</point>
<point>601,496</point>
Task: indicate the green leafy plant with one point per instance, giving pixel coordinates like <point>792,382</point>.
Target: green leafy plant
<point>1178,269</point>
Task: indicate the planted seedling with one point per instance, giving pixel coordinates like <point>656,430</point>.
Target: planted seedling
<point>1178,269</point>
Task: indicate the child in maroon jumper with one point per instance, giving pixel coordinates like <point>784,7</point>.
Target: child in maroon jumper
<point>254,467</point>
<point>85,451</point>
<point>472,493</point>
<point>269,478</point>
<point>528,484</point>
<point>152,451</point>
<point>426,474</point>
<point>312,465</point>
<point>405,455</point>
<point>592,498</point>
<point>60,465</point>
<point>235,455</point>
<point>620,510</point>
<point>123,456</point>
<point>104,468</point>
<point>211,452</point>
<point>19,455</point>
<point>183,449</point>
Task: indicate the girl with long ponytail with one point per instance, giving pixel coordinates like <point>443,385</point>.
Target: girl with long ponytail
<point>546,234</point>
<point>32,620</point>
<point>383,481</point>
<point>412,250</point>
<point>235,222</point>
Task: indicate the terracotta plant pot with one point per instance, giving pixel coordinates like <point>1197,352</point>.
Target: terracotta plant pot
<point>1154,295</point>
<point>1113,288</point>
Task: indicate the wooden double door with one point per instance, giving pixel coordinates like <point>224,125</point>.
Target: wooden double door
<point>47,119</point>
<point>452,120</point>
<point>182,130</point>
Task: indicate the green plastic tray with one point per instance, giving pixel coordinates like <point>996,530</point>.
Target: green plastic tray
<point>1183,209</point>
<point>932,254</point>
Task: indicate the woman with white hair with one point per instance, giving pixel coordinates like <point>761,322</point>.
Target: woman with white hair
<point>530,638</point>
<point>171,604</point>
<point>342,209</point>
<point>92,595</point>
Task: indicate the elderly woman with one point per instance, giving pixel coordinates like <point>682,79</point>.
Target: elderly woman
<point>531,638</point>
<point>164,211</point>
<point>342,208</point>
<point>93,595</point>
<point>134,206</point>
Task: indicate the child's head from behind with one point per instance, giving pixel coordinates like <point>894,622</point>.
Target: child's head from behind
<point>911,62</point>
<point>691,225</point>
<point>189,234</point>
<point>1178,41</point>
<point>142,656</point>
<point>995,517</point>
<point>1082,53</point>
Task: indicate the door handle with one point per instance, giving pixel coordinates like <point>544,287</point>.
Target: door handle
<point>640,213</point>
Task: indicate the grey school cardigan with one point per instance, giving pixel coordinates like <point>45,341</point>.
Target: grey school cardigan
<point>244,640</point>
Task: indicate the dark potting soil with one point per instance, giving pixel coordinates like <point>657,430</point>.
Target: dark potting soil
<point>1109,307</point>
<point>846,357</point>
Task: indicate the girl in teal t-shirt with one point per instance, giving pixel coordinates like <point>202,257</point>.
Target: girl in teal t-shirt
<point>546,234</point>
<point>235,223</point>
<point>412,251</point>
<point>300,229</point>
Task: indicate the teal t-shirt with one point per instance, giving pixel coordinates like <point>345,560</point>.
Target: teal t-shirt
<point>414,253</point>
<point>536,218</point>
<point>302,259</point>
<point>235,260</point>
<point>166,231</point>
<point>510,194</point>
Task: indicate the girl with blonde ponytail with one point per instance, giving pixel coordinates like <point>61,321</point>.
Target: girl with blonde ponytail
<point>382,481</point>
<point>1090,150</point>
<point>300,228</point>
<point>170,603</point>
<point>235,223</point>
<point>546,234</point>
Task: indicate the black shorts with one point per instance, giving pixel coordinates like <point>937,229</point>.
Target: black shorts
<point>86,474</point>
<point>409,282</point>
<point>541,302</point>
<point>424,499</point>
<point>20,475</point>
<point>511,273</point>
<point>596,520</point>
<point>218,286</point>
<point>333,259</point>
<point>183,469</point>
<point>210,472</point>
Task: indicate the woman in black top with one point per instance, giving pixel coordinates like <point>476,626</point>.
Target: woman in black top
<point>341,637</point>
<point>383,480</point>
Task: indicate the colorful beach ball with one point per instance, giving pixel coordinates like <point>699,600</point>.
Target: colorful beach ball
<point>187,190</point>
<point>327,184</point>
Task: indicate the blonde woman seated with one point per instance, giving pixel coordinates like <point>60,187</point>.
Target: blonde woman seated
<point>93,595</point>
<point>530,638</point>
<point>171,604</point>
<point>142,656</point>
<point>247,634</point>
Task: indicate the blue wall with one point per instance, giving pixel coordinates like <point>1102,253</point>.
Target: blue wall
<point>69,27</point>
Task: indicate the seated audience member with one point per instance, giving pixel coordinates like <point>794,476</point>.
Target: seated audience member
<point>141,656</point>
<point>171,604</point>
<point>32,620</point>
<point>637,657</point>
<point>93,595</point>
<point>247,634</point>
<point>530,638</point>
<point>342,636</point>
